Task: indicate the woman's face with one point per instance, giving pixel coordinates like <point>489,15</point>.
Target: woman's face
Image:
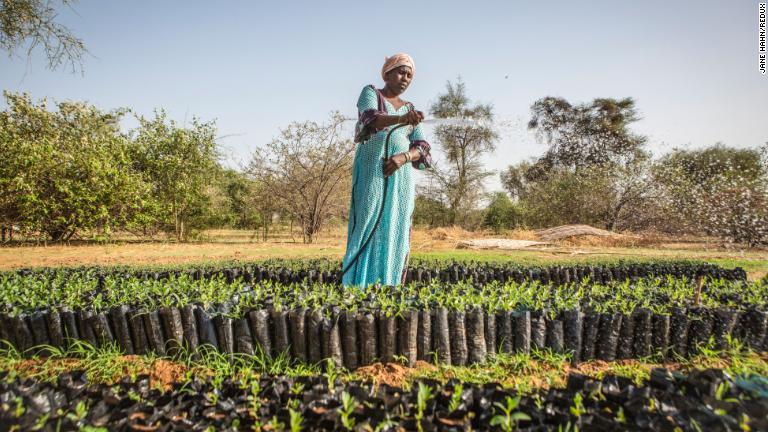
<point>398,79</point>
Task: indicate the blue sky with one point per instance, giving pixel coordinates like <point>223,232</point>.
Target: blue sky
<point>256,66</point>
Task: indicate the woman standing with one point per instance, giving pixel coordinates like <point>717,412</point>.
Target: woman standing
<point>378,239</point>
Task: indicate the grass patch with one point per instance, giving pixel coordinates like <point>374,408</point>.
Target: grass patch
<point>540,369</point>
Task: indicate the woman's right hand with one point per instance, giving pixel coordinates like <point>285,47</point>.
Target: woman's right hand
<point>412,117</point>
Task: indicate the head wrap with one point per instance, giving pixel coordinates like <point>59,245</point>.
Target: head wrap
<point>397,60</point>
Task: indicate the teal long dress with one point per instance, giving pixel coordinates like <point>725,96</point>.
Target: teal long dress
<point>384,258</point>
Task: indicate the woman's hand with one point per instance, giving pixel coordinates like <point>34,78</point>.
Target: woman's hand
<point>412,117</point>
<point>394,163</point>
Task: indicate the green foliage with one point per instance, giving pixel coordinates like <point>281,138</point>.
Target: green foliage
<point>569,197</point>
<point>348,407</point>
<point>66,170</point>
<point>423,397</point>
<point>240,195</point>
<point>233,202</point>
<point>501,213</point>
<point>429,211</point>
<point>179,163</point>
<point>719,190</point>
<point>20,294</point>
<point>508,418</point>
<point>594,171</point>
<point>71,170</point>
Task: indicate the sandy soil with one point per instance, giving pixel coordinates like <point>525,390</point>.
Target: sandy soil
<point>437,243</point>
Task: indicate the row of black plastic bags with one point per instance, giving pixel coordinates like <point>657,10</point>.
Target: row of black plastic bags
<point>708,400</point>
<point>479,273</point>
<point>357,338</point>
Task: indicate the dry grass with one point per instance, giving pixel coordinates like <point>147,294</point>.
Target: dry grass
<point>438,243</point>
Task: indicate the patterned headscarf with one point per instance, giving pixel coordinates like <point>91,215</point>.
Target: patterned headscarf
<point>397,60</point>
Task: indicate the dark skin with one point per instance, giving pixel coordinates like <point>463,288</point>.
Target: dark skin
<point>396,82</point>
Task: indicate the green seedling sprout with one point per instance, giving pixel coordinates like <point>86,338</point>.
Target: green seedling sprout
<point>348,407</point>
<point>509,418</point>
<point>456,398</point>
<point>423,397</point>
<point>296,420</point>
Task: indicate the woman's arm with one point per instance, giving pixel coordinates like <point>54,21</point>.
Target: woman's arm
<point>395,162</point>
<point>411,118</point>
<point>373,116</point>
<point>419,144</point>
<point>383,121</point>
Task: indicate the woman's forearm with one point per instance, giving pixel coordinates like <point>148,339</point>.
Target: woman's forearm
<point>383,121</point>
<point>415,155</point>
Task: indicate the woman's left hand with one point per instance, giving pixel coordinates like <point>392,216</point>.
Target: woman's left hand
<point>393,164</point>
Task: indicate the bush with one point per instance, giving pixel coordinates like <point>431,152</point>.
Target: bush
<point>501,213</point>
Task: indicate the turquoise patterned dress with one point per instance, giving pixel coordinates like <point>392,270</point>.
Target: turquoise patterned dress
<point>384,258</point>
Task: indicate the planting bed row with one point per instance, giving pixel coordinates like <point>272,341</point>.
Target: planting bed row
<point>360,337</point>
<point>709,400</point>
<point>27,294</point>
<point>326,271</point>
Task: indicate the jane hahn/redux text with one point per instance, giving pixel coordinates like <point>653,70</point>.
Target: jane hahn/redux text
<point>761,33</point>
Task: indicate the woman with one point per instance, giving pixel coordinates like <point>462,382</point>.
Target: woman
<point>378,239</point>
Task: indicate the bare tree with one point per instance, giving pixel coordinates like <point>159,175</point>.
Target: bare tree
<point>32,23</point>
<point>459,183</point>
<point>307,172</point>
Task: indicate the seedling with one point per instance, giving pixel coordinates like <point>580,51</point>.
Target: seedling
<point>620,416</point>
<point>348,406</point>
<point>509,418</point>
<point>423,397</point>
<point>577,409</point>
<point>81,411</point>
<point>456,398</point>
<point>296,420</point>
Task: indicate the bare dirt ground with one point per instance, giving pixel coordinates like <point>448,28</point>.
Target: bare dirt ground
<point>217,245</point>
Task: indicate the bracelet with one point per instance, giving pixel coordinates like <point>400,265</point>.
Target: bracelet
<point>407,156</point>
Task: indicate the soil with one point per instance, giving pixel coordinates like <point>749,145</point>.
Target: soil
<point>165,373</point>
<point>162,373</point>
<point>235,245</point>
<point>393,374</point>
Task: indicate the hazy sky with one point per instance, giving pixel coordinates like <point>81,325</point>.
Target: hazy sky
<point>254,67</point>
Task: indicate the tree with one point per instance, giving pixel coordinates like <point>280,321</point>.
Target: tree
<point>717,190</point>
<point>32,23</point>
<point>66,170</point>
<point>587,134</point>
<point>515,179</point>
<point>429,211</point>
<point>501,213</point>
<point>595,170</point>
<point>459,184</point>
<point>307,172</point>
<point>239,190</point>
<point>181,164</point>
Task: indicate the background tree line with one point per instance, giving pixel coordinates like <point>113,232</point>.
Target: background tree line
<point>594,170</point>
<point>69,171</point>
